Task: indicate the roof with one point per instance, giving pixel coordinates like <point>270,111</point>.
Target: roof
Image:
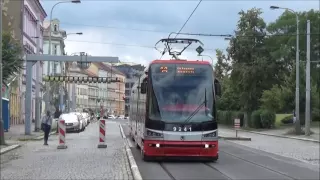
<point>89,73</point>
<point>108,68</point>
<point>179,62</point>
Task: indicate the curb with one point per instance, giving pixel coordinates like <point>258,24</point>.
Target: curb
<point>133,165</point>
<point>281,136</point>
<point>235,138</point>
<point>9,148</point>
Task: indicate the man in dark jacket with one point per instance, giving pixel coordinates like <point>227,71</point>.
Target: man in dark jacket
<point>46,126</point>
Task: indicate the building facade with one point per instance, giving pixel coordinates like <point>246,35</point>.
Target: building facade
<point>57,46</point>
<point>111,95</point>
<point>81,89</point>
<point>32,12</point>
<point>132,73</point>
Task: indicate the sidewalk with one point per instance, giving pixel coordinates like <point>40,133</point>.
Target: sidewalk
<point>281,133</point>
<point>82,159</point>
<point>293,148</point>
<point>16,136</point>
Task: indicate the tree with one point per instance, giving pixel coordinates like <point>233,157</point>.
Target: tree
<point>12,63</point>
<point>11,56</point>
<point>252,67</point>
<point>222,67</point>
<point>282,46</point>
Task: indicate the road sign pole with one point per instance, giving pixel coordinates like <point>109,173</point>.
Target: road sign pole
<point>236,125</point>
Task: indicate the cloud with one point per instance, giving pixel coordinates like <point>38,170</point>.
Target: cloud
<point>215,17</point>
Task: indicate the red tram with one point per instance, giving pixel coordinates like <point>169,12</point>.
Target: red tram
<point>173,110</point>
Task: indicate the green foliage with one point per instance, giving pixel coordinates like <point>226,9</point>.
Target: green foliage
<point>11,56</point>
<point>262,119</point>
<point>261,71</point>
<point>287,120</point>
<point>227,117</point>
<point>268,119</point>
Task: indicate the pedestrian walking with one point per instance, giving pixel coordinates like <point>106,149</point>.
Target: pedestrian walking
<point>46,126</point>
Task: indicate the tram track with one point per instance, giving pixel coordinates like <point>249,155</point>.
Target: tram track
<point>167,171</point>
<point>211,167</point>
<point>234,163</point>
<point>259,165</point>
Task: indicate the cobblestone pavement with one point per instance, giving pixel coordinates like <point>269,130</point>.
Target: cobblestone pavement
<point>81,160</point>
<point>297,149</point>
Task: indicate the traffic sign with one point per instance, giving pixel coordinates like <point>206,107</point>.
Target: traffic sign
<point>236,123</point>
<point>199,50</point>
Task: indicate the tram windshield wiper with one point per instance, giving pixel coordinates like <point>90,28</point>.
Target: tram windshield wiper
<point>204,103</point>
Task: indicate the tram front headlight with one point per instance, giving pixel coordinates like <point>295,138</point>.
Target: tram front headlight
<point>153,134</point>
<point>209,135</point>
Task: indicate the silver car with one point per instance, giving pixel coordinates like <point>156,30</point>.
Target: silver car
<point>73,122</point>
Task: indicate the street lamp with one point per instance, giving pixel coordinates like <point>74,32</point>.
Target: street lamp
<point>297,108</point>
<point>50,27</point>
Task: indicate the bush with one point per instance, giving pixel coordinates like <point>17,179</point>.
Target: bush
<point>227,117</point>
<point>262,119</point>
<point>268,119</point>
<point>287,120</point>
<point>315,115</point>
<point>255,120</point>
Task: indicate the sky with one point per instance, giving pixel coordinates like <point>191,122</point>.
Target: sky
<point>130,29</point>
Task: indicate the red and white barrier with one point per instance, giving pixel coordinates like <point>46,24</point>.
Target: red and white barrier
<point>62,134</point>
<point>102,134</point>
<point>236,125</point>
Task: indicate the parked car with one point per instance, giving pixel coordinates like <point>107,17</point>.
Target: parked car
<point>73,122</point>
<point>121,117</point>
<point>84,121</point>
<point>111,117</point>
<point>86,117</point>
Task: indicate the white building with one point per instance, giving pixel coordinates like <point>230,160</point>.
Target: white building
<point>57,45</point>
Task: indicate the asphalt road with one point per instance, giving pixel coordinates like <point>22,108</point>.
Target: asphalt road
<point>235,162</point>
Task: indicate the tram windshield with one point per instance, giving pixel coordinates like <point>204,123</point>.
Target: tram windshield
<point>181,92</point>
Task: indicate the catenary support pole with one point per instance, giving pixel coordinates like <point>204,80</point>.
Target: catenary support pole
<point>308,87</point>
<point>297,108</point>
<point>28,98</point>
<point>37,94</point>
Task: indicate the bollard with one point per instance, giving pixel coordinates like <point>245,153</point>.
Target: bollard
<point>62,134</point>
<point>102,134</point>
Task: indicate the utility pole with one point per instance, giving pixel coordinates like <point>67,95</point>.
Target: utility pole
<point>2,140</point>
<point>308,88</point>
<point>61,92</point>
<point>297,123</point>
<point>37,104</point>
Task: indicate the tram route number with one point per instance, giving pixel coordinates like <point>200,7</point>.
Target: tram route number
<point>179,128</point>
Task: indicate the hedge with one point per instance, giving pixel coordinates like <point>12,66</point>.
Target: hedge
<point>262,119</point>
<point>258,119</point>
<point>227,117</point>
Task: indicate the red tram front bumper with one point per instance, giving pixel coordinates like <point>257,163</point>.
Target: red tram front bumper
<point>196,149</point>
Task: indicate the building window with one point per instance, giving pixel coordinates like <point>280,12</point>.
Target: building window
<point>55,49</point>
<point>55,28</point>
